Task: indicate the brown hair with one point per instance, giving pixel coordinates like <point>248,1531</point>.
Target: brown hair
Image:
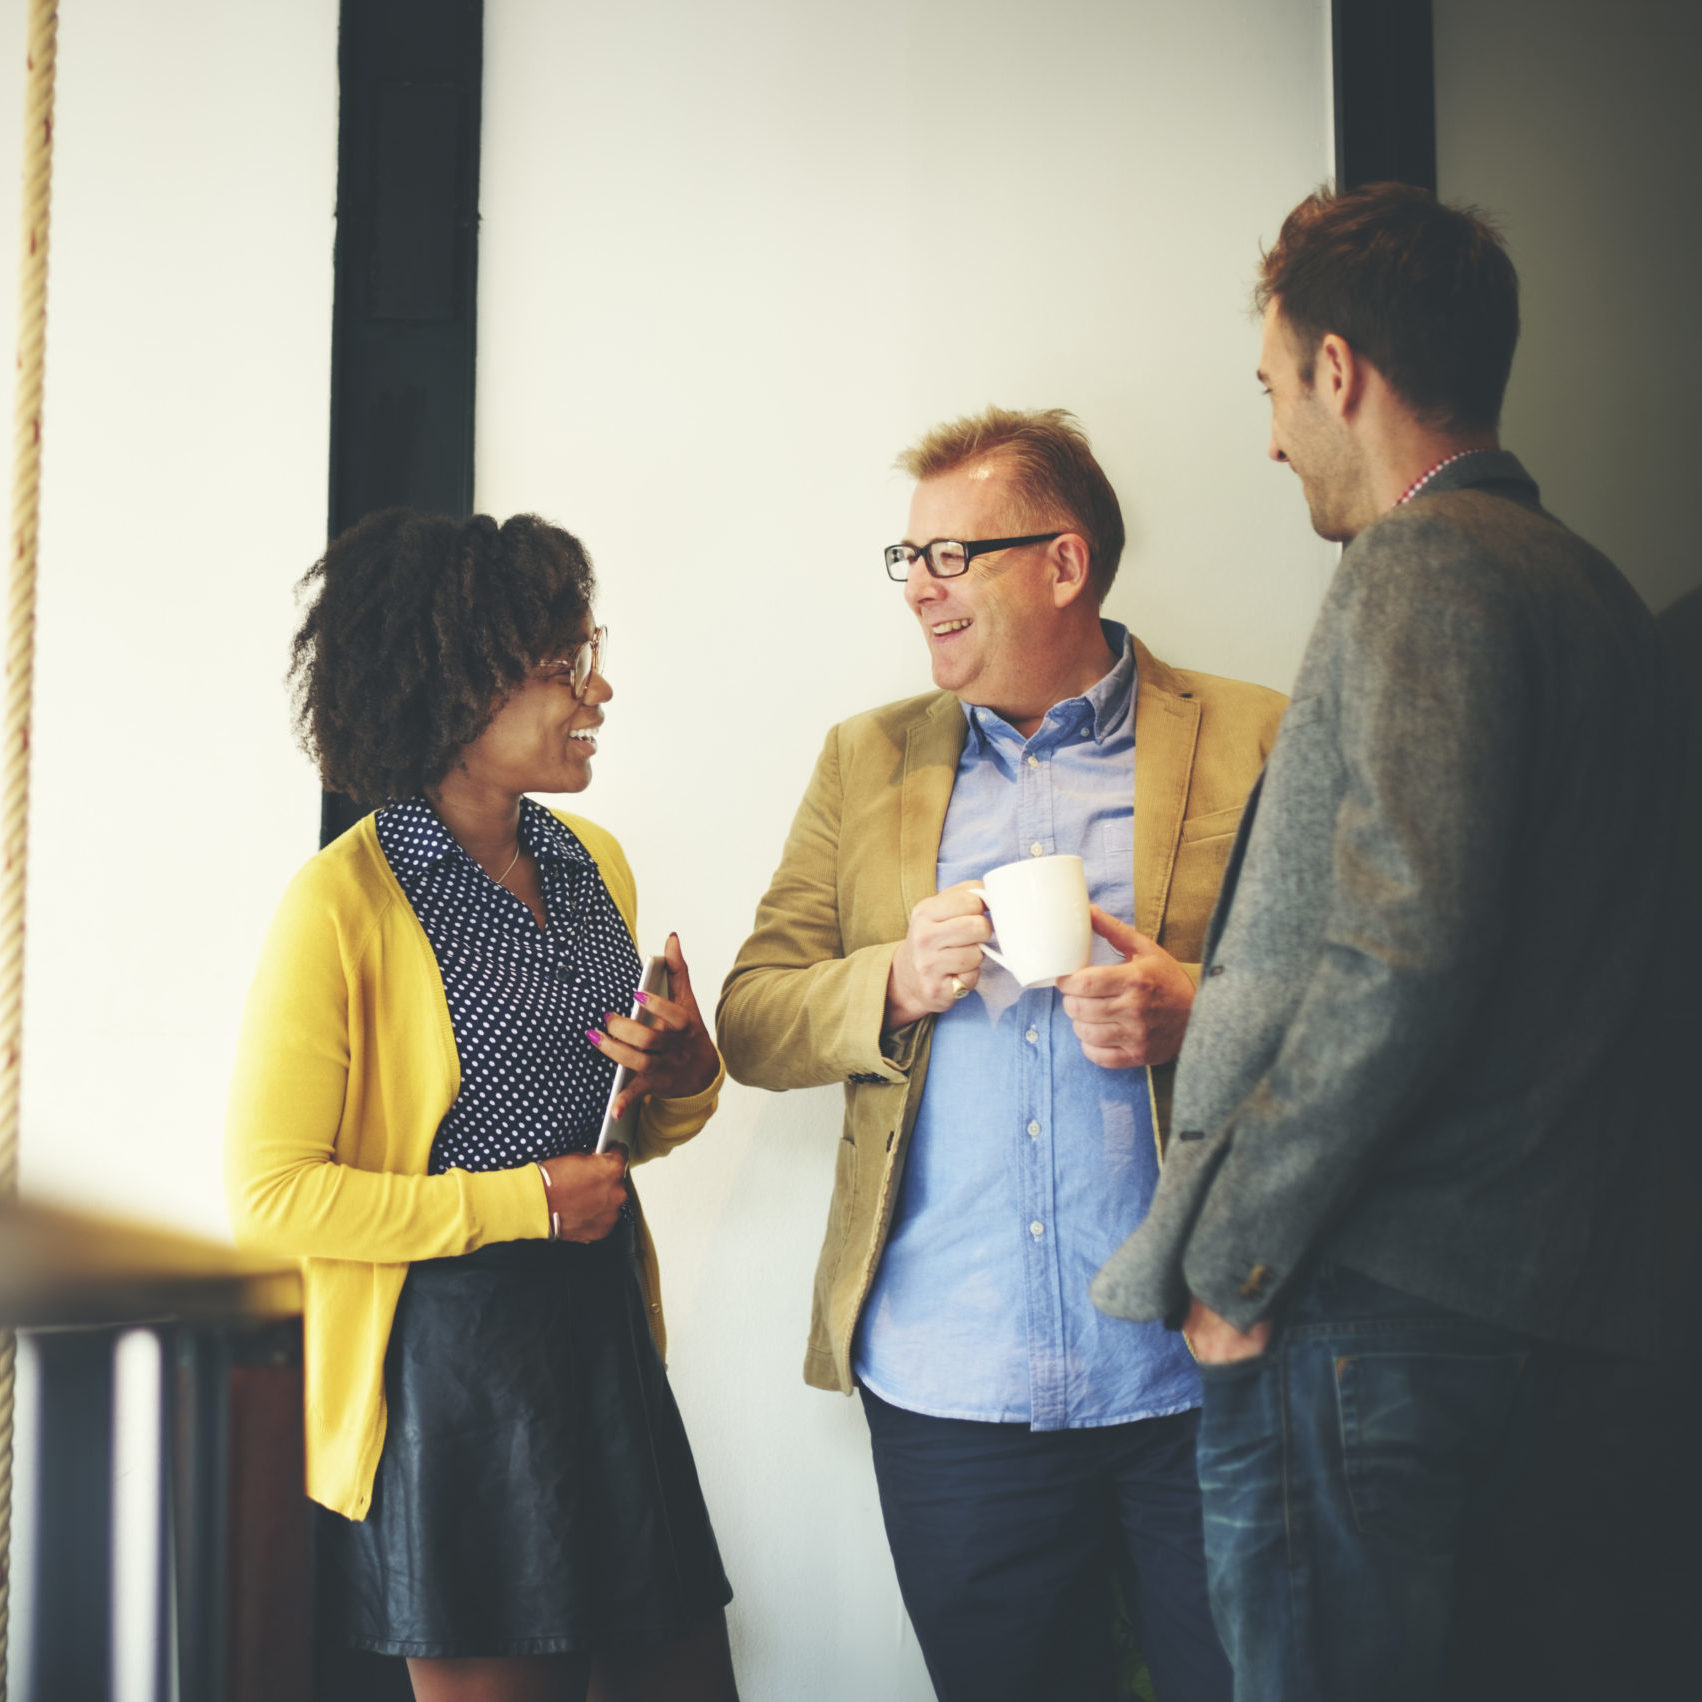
<point>1053,474</point>
<point>421,625</point>
<point>1423,291</point>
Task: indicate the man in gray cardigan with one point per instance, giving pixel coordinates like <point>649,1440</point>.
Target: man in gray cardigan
<point>1407,1208</point>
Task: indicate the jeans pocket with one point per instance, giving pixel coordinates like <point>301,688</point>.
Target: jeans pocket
<point>1416,1426</point>
<point>1239,1447</point>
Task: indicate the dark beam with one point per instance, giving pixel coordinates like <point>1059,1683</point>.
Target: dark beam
<point>1385,92</point>
<point>405,313</point>
<point>71,1621</point>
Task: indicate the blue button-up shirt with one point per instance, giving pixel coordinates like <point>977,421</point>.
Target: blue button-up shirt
<point>1028,1166</point>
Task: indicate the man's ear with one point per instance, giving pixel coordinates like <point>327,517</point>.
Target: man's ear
<point>1338,375</point>
<point>1072,569</point>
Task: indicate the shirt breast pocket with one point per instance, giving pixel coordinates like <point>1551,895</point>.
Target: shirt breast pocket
<point>1110,860</point>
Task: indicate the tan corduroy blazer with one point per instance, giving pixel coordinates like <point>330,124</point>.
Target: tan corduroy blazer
<point>804,1002</point>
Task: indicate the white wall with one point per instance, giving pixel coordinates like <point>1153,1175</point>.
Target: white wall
<point>1579,124</point>
<point>186,432</point>
<point>733,259</point>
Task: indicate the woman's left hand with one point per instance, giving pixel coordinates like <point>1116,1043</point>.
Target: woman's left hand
<point>672,1059</point>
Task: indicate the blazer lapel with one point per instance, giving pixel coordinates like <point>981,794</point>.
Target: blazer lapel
<point>1167,726</point>
<point>931,749</point>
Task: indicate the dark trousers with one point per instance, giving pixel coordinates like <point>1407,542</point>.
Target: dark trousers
<point>1402,1503</point>
<point>1004,1539</point>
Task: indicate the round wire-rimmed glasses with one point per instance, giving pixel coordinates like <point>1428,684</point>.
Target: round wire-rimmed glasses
<point>589,658</point>
<point>946,558</point>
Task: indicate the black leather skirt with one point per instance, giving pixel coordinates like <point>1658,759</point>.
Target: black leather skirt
<point>536,1493</point>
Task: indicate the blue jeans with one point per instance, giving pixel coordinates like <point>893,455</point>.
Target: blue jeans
<point>1342,1472</point>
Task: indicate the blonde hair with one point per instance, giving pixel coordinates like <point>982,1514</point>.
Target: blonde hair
<point>1053,475</point>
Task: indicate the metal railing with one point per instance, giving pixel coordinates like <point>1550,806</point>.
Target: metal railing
<point>232,1586</point>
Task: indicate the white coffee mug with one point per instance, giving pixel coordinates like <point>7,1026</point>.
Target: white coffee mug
<point>1039,911</point>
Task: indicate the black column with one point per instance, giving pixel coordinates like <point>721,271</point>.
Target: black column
<point>1385,92</point>
<point>71,1621</point>
<point>405,315</point>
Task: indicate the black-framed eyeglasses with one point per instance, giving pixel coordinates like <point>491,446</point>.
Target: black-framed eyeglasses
<point>947,557</point>
<point>589,658</point>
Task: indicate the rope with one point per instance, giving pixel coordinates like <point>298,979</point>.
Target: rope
<point>20,678</point>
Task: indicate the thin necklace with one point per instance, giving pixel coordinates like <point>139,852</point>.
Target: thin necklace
<point>500,879</point>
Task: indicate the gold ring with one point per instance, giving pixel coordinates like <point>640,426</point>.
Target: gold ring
<point>958,990</point>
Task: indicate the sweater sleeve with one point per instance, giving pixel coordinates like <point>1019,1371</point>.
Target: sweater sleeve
<point>663,1124</point>
<point>305,1175</point>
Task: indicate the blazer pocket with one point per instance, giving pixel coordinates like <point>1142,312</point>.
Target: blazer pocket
<point>1202,854</point>
<point>1213,825</point>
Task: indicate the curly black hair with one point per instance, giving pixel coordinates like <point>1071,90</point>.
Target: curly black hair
<point>421,626</point>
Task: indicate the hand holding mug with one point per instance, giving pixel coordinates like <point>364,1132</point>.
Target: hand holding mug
<point>1133,1012</point>
<point>941,947</point>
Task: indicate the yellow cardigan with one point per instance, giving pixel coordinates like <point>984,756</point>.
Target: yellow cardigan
<point>345,1068</point>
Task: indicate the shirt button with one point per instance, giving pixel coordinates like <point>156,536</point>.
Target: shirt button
<point>1032,1035</point>
<point>1034,1128</point>
<point>1037,849</point>
<point>1036,1229</point>
<point>1033,761</point>
<point>1216,969</point>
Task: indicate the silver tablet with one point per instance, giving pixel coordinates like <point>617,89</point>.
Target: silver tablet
<point>624,1132</point>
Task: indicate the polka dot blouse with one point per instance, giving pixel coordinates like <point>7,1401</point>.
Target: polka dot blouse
<point>520,997</point>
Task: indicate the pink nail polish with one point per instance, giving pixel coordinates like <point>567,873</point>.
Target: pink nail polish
<point>594,1037</point>
<point>642,997</point>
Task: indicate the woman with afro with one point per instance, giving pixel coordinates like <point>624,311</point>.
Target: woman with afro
<point>425,1061</point>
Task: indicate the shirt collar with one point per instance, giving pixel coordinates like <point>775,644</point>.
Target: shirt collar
<point>430,841</point>
<point>1110,698</point>
<point>543,834</point>
<point>422,842</point>
<point>1104,706</point>
<point>1424,478</point>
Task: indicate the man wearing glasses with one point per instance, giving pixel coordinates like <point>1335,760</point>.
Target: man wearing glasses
<point>1000,1142</point>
